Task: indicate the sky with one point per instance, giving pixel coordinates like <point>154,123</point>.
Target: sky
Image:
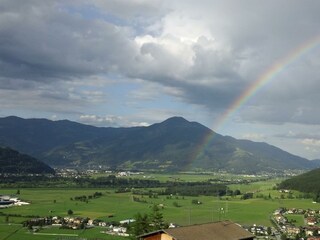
<point>123,63</point>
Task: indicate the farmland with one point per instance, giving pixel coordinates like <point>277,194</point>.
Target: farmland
<point>115,206</point>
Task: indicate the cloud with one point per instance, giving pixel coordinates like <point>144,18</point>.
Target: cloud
<point>206,54</point>
<point>139,10</point>
<point>311,145</point>
<point>299,135</point>
<point>110,121</point>
<point>213,67</point>
<point>44,42</point>
<point>53,97</point>
<point>311,142</point>
<point>254,136</point>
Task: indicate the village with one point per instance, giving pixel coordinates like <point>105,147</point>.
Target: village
<point>283,226</point>
<point>288,227</point>
<point>281,218</point>
<point>76,223</point>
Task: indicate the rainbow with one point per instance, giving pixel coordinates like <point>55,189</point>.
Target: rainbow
<point>266,76</point>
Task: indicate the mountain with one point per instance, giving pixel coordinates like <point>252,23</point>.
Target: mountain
<point>307,182</point>
<point>265,155</point>
<point>172,145</point>
<point>36,136</point>
<point>12,161</point>
<point>316,162</point>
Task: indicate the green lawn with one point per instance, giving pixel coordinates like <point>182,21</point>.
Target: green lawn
<point>298,220</point>
<point>119,206</point>
<point>17,232</point>
<point>45,202</point>
<point>186,176</point>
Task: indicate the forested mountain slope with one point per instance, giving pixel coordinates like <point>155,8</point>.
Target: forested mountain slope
<point>307,182</point>
<point>172,145</point>
<point>13,162</point>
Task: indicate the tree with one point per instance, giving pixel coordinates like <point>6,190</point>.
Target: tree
<point>70,212</point>
<point>247,196</point>
<point>29,226</point>
<point>156,219</point>
<point>283,236</point>
<point>269,231</point>
<point>147,222</point>
<point>236,192</point>
<point>176,204</point>
<point>141,225</point>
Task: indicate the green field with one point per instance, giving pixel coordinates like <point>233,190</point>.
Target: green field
<point>186,176</point>
<point>119,206</point>
<point>17,232</point>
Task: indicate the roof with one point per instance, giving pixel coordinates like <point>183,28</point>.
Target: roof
<point>224,230</point>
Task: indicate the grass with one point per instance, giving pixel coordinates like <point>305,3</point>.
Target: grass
<point>56,202</point>
<point>45,202</point>
<point>8,230</point>
<point>260,186</point>
<point>184,176</point>
<point>297,219</point>
<point>17,232</point>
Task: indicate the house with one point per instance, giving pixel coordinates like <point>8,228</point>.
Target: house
<point>223,230</point>
<point>127,221</point>
<point>311,230</point>
<point>311,221</point>
<point>280,219</point>
<point>292,230</point>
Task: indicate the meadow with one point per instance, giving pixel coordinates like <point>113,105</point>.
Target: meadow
<point>112,206</point>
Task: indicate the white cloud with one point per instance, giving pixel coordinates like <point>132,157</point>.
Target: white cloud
<point>254,136</point>
<point>312,146</point>
<point>109,121</point>
<point>311,142</point>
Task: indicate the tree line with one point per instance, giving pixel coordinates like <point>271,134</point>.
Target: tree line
<point>133,185</point>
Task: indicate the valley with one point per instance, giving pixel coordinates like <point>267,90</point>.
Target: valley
<point>159,120</point>
<point>84,182</point>
<point>173,145</point>
<point>116,204</point>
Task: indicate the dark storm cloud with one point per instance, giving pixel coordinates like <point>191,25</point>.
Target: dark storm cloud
<point>209,51</point>
<point>40,41</point>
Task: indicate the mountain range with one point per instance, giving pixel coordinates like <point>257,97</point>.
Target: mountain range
<point>172,145</point>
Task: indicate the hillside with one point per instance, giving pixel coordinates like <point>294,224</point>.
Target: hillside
<point>316,162</point>
<point>307,182</point>
<point>36,136</point>
<point>173,145</point>
<point>12,161</point>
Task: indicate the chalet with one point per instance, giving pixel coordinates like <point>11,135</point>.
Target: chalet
<point>223,230</point>
<point>280,219</point>
<point>311,231</point>
<point>291,211</point>
<point>127,221</point>
<point>311,221</point>
<point>292,230</point>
